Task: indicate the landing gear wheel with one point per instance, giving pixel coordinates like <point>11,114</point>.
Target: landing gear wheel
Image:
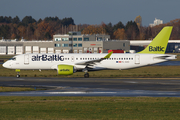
<point>18,76</point>
<point>86,75</point>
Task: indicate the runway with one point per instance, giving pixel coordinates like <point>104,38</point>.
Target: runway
<point>154,87</point>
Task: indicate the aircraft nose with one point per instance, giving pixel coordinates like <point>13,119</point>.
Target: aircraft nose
<point>6,65</point>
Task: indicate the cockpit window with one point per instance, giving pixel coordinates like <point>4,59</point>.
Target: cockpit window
<point>13,59</point>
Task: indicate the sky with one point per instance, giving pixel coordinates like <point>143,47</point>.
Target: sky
<point>94,11</point>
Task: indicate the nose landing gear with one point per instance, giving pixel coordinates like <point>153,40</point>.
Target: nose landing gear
<point>18,73</point>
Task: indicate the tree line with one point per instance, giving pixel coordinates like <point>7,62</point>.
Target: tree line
<point>31,29</point>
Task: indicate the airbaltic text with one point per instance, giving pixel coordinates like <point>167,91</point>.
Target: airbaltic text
<point>47,58</point>
<point>157,48</point>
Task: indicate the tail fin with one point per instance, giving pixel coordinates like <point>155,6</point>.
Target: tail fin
<point>159,43</point>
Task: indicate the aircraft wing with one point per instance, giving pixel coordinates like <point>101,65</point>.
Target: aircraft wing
<point>93,62</point>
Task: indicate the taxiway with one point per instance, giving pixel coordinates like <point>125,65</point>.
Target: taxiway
<point>155,87</point>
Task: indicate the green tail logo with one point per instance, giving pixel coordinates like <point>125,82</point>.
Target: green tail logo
<point>159,43</point>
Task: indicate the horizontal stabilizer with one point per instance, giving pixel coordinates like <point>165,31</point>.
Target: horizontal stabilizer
<point>167,57</point>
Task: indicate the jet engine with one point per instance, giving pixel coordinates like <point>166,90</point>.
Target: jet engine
<point>65,70</point>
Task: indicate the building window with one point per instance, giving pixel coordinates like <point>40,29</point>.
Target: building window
<point>65,45</point>
<point>80,45</point>
<point>79,39</point>
<point>75,45</point>
<point>57,45</point>
<point>74,39</point>
<point>86,39</point>
<point>99,38</point>
<point>70,39</point>
<point>65,39</point>
<point>70,45</point>
<point>124,44</point>
<point>57,39</point>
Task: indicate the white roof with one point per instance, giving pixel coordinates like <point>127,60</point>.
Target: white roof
<point>146,42</point>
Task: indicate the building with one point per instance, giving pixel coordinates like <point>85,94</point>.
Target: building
<point>74,42</point>
<point>8,47</point>
<point>80,43</point>
<point>156,22</point>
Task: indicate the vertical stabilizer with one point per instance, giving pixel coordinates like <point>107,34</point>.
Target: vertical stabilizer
<point>159,43</point>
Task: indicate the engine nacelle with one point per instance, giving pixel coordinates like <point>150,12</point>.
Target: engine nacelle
<point>66,69</point>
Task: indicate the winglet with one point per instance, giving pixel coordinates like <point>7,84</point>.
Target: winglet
<point>159,43</point>
<point>108,55</point>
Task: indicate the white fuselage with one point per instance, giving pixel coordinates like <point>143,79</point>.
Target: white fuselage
<point>116,61</point>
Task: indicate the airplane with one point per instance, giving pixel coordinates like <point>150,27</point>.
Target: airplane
<point>67,64</point>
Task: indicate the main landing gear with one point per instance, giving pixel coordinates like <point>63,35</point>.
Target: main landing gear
<point>86,75</point>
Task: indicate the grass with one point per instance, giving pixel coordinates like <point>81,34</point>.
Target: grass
<point>77,108</point>
<point>14,89</point>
